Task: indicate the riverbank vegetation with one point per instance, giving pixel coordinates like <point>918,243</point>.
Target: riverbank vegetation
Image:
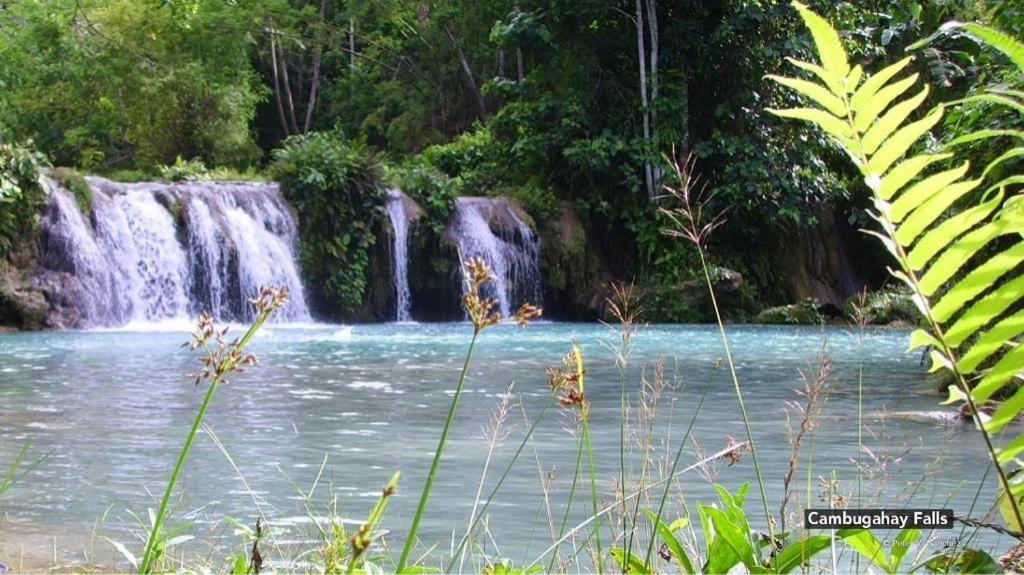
<point>551,104</point>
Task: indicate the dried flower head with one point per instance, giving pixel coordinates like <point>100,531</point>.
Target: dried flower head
<point>269,299</point>
<point>567,381</point>
<point>527,313</point>
<point>222,356</point>
<point>736,450</point>
<point>481,309</point>
<point>688,215</point>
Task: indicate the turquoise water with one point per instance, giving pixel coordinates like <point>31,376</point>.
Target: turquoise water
<point>109,410</point>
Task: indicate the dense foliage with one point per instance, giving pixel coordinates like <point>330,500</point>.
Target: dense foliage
<point>334,187</point>
<point>22,193</point>
<point>542,100</point>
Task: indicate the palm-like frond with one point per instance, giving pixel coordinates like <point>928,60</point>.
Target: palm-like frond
<point>963,264</point>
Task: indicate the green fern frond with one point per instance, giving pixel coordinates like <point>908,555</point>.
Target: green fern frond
<point>986,35</point>
<point>962,264</point>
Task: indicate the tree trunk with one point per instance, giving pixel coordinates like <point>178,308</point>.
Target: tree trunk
<point>352,45</point>
<point>288,90</point>
<point>642,57</point>
<point>652,27</point>
<point>315,83</point>
<point>277,87</point>
<point>470,79</point>
<point>519,65</point>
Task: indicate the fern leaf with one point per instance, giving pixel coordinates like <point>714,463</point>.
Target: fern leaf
<point>924,190</point>
<point>867,112</point>
<point>826,39</point>
<point>999,374</point>
<point>819,94</point>
<point>892,119</point>
<point>1004,157</point>
<point>991,342</point>
<point>991,98</point>
<point>832,125</point>
<point>997,39</point>
<point>833,84</point>
<point>926,214</point>
<point>902,174</point>
<point>937,239</point>
<point>875,83</point>
<point>975,282</point>
<point>984,135</point>
<point>984,311</point>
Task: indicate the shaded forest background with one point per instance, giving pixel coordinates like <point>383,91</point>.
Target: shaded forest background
<point>553,102</point>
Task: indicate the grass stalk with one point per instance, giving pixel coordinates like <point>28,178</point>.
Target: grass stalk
<point>223,361</point>
<point>671,473</point>
<point>421,507</point>
<point>739,392</point>
<point>478,515</point>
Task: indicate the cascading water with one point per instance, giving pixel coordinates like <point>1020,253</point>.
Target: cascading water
<point>400,254</point>
<point>492,229</point>
<point>151,252</point>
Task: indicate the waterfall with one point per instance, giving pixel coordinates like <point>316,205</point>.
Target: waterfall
<point>400,254</point>
<point>153,251</point>
<point>492,229</point>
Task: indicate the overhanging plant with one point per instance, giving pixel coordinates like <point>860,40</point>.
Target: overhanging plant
<point>955,237</point>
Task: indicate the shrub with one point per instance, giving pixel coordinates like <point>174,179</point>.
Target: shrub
<point>430,187</point>
<point>185,171</point>
<point>885,306</point>
<point>803,313</point>
<point>335,186</point>
<point>22,193</point>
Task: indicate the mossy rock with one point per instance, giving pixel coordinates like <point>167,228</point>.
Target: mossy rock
<point>803,313</point>
<point>21,305</point>
<point>75,183</point>
<point>883,307</point>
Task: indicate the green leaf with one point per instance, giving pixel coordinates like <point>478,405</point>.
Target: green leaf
<point>875,83</point>
<point>798,553</point>
<point>865,543</point>
<point>835,127</point>
<point>898,144</point>
<point>999,374</point>
<point>997,39</point>
<point>868,111</point>
<point>816,93</point>
<point>883,128</point>
<point>906,171</point>
<point>903,543</point>
<point>984,311</point>
<point>967,561</point>
<point>668,536</point>
<point>976,281</point>
<point>831,81</point>
<point>990,98</point>
<point>932,208</point>
<point>826,39</point>
<point>1004,157</point>
<point>628,562</point>
<point>991,341</point>
<point>939,237</point>
<point>984,135</point>
<point>124,552</point>
<point>924,190</point>
<point>730,546</point>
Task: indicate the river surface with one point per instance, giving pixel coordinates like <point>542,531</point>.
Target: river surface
<point>106,412</point>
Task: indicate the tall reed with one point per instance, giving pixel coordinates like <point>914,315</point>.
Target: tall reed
<point>221,359</point>
<point>482,314</point>
<point>691,223</point>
